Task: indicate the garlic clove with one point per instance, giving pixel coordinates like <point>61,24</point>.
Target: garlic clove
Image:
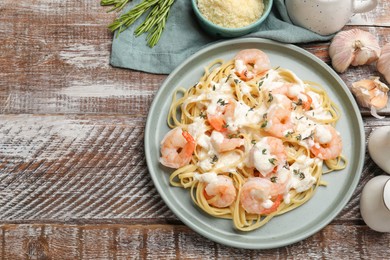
<point>383,64</point>
<point>354,47</point>
<point>371,93</point>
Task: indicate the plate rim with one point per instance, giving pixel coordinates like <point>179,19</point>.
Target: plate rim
<point>338,207</point>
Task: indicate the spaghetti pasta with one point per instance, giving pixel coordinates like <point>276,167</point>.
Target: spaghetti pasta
<point>253,144</point>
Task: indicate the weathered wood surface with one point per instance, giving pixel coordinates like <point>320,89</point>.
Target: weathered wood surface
<point>73,176</point>
<point>176,242</point>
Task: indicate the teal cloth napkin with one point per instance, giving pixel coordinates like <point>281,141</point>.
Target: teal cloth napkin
<point>183,36</point>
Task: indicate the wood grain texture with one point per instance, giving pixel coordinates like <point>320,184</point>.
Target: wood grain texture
<point>73,177</point>
<point>53,241</point>
<point>176,242</point>
<point>60,168</point>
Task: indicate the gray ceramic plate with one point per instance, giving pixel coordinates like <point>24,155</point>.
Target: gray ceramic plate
<point>297,224</point>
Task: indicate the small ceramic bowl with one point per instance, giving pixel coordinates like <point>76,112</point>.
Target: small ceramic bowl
<point>222,32</point>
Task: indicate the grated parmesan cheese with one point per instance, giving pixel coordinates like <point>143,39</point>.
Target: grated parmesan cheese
<point>231,13</point>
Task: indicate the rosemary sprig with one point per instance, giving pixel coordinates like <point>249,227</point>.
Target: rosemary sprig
<point>153,24</point>
<point>118,4</point>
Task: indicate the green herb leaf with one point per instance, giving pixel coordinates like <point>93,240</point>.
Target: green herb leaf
<point>214,159</point>
<point>274,179</point>
<point>202,115</point>
<point>222,102</point>
<point>272,160</point>
<point>299,102</point>
<point>270,97</point>
<point>228,77</point>
<point>153,24</point>
<point>260,84</point>
<point>118,4</point>
<point>309,136</point>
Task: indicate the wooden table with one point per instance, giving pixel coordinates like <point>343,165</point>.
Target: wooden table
<point>73,176</point>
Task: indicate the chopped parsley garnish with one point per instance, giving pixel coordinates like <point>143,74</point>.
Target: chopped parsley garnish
<point>299,137</point>
<point>264,151</point>
<point>250,109</point>
<point>222,102</point>
<point>236,81</point>
<point>299,173</point>
<point>214,87</point>
<point>286,166</point>
<point>309,136</point>
<point>299,102</point>
<point>270,97</point>
<point>228,77</point>
<point>260,84</point>
<point>253,141</point>
<point>274,179</point>
<point>214,159</point>
<point>202,115</point>
<point>264,124</point>
<point>272,160</point>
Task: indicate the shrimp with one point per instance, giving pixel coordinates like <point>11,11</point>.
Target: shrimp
<point>177,148</point>
<point>223,112</point>
<point>268,155</point>
<point>278,122</point>
<point>327,143</point>
<point>222,144</point>
<point>303,100</point>
<point>251,62</point>
<point>221,193</point>
<point>261,196</point>
<point>299,97</point>
<point>282,101</point>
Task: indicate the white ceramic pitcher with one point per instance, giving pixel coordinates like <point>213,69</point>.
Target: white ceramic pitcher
<point>326,16</point>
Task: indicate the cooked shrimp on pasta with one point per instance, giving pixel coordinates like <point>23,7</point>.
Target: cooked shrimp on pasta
<point>250,141</point>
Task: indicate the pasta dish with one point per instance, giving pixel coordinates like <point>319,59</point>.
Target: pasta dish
<point>249,141</point>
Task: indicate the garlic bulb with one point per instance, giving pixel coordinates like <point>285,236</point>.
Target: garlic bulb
<point>371,93</point>
<point>383,64</point>
<point>354,47</point>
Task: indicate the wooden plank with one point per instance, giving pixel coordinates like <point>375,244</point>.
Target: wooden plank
<point>379,16</point>
<point>63,67</point>
<point>50,241</point>
<point>56,166</point>
<point>60,168</point>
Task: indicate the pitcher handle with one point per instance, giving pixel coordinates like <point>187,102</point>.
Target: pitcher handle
<point>362,6</point>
